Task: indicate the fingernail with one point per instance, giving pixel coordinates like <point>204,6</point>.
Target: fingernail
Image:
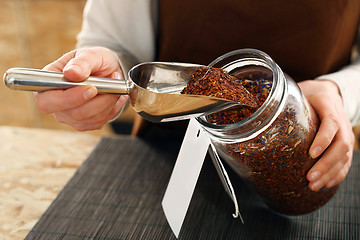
<point>317,185</point>
<point>314,176</point>
<point>316,152</point>
<point>331,184</point>
<point>73,68</point>
<point>90,93</point>
<point>117,75</point>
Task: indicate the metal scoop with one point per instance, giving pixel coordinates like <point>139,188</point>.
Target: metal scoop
<point>153,88</point>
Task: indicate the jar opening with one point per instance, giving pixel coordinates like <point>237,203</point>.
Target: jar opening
<point>249,63</point>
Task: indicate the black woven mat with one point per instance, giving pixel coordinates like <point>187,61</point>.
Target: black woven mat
<point>117,194</point>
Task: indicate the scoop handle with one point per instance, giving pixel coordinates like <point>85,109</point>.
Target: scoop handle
<point>28,79</point>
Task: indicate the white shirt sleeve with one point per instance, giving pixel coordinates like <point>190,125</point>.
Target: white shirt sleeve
<point>348,81</point>
<point>127,27</point>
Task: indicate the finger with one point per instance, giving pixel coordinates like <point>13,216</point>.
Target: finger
<point>326,162</point>
<point>329,126</point>
<point>93,125</point>
<point>97,119</point>
<point>340,175</point>
<point>324,170</point>
<point>62,100</point>
<point>88,126</point>
<point>94,107</point>
<point>77,124</point>
<point>334,176</point>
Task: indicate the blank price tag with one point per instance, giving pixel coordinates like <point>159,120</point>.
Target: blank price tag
<point>185,175</point>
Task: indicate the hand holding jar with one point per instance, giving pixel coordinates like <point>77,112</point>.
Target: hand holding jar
<point>335,139</point>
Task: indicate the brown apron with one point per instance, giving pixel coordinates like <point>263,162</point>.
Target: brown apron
<point>306,38</point>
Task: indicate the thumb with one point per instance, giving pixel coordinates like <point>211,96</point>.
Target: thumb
<point>81,65</point>
<point>91,61</point>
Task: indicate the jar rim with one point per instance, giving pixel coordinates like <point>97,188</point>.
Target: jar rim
<point>276,72</point>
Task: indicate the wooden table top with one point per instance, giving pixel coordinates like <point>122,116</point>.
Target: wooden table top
<point>35,164</point>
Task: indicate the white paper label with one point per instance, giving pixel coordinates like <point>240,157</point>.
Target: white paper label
<point>185,175</point>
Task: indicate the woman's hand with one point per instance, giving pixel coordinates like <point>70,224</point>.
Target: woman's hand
<point>82,107</point>
<point>335,138</point>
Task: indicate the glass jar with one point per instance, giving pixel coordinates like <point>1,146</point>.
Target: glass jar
<point>270,148</point>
